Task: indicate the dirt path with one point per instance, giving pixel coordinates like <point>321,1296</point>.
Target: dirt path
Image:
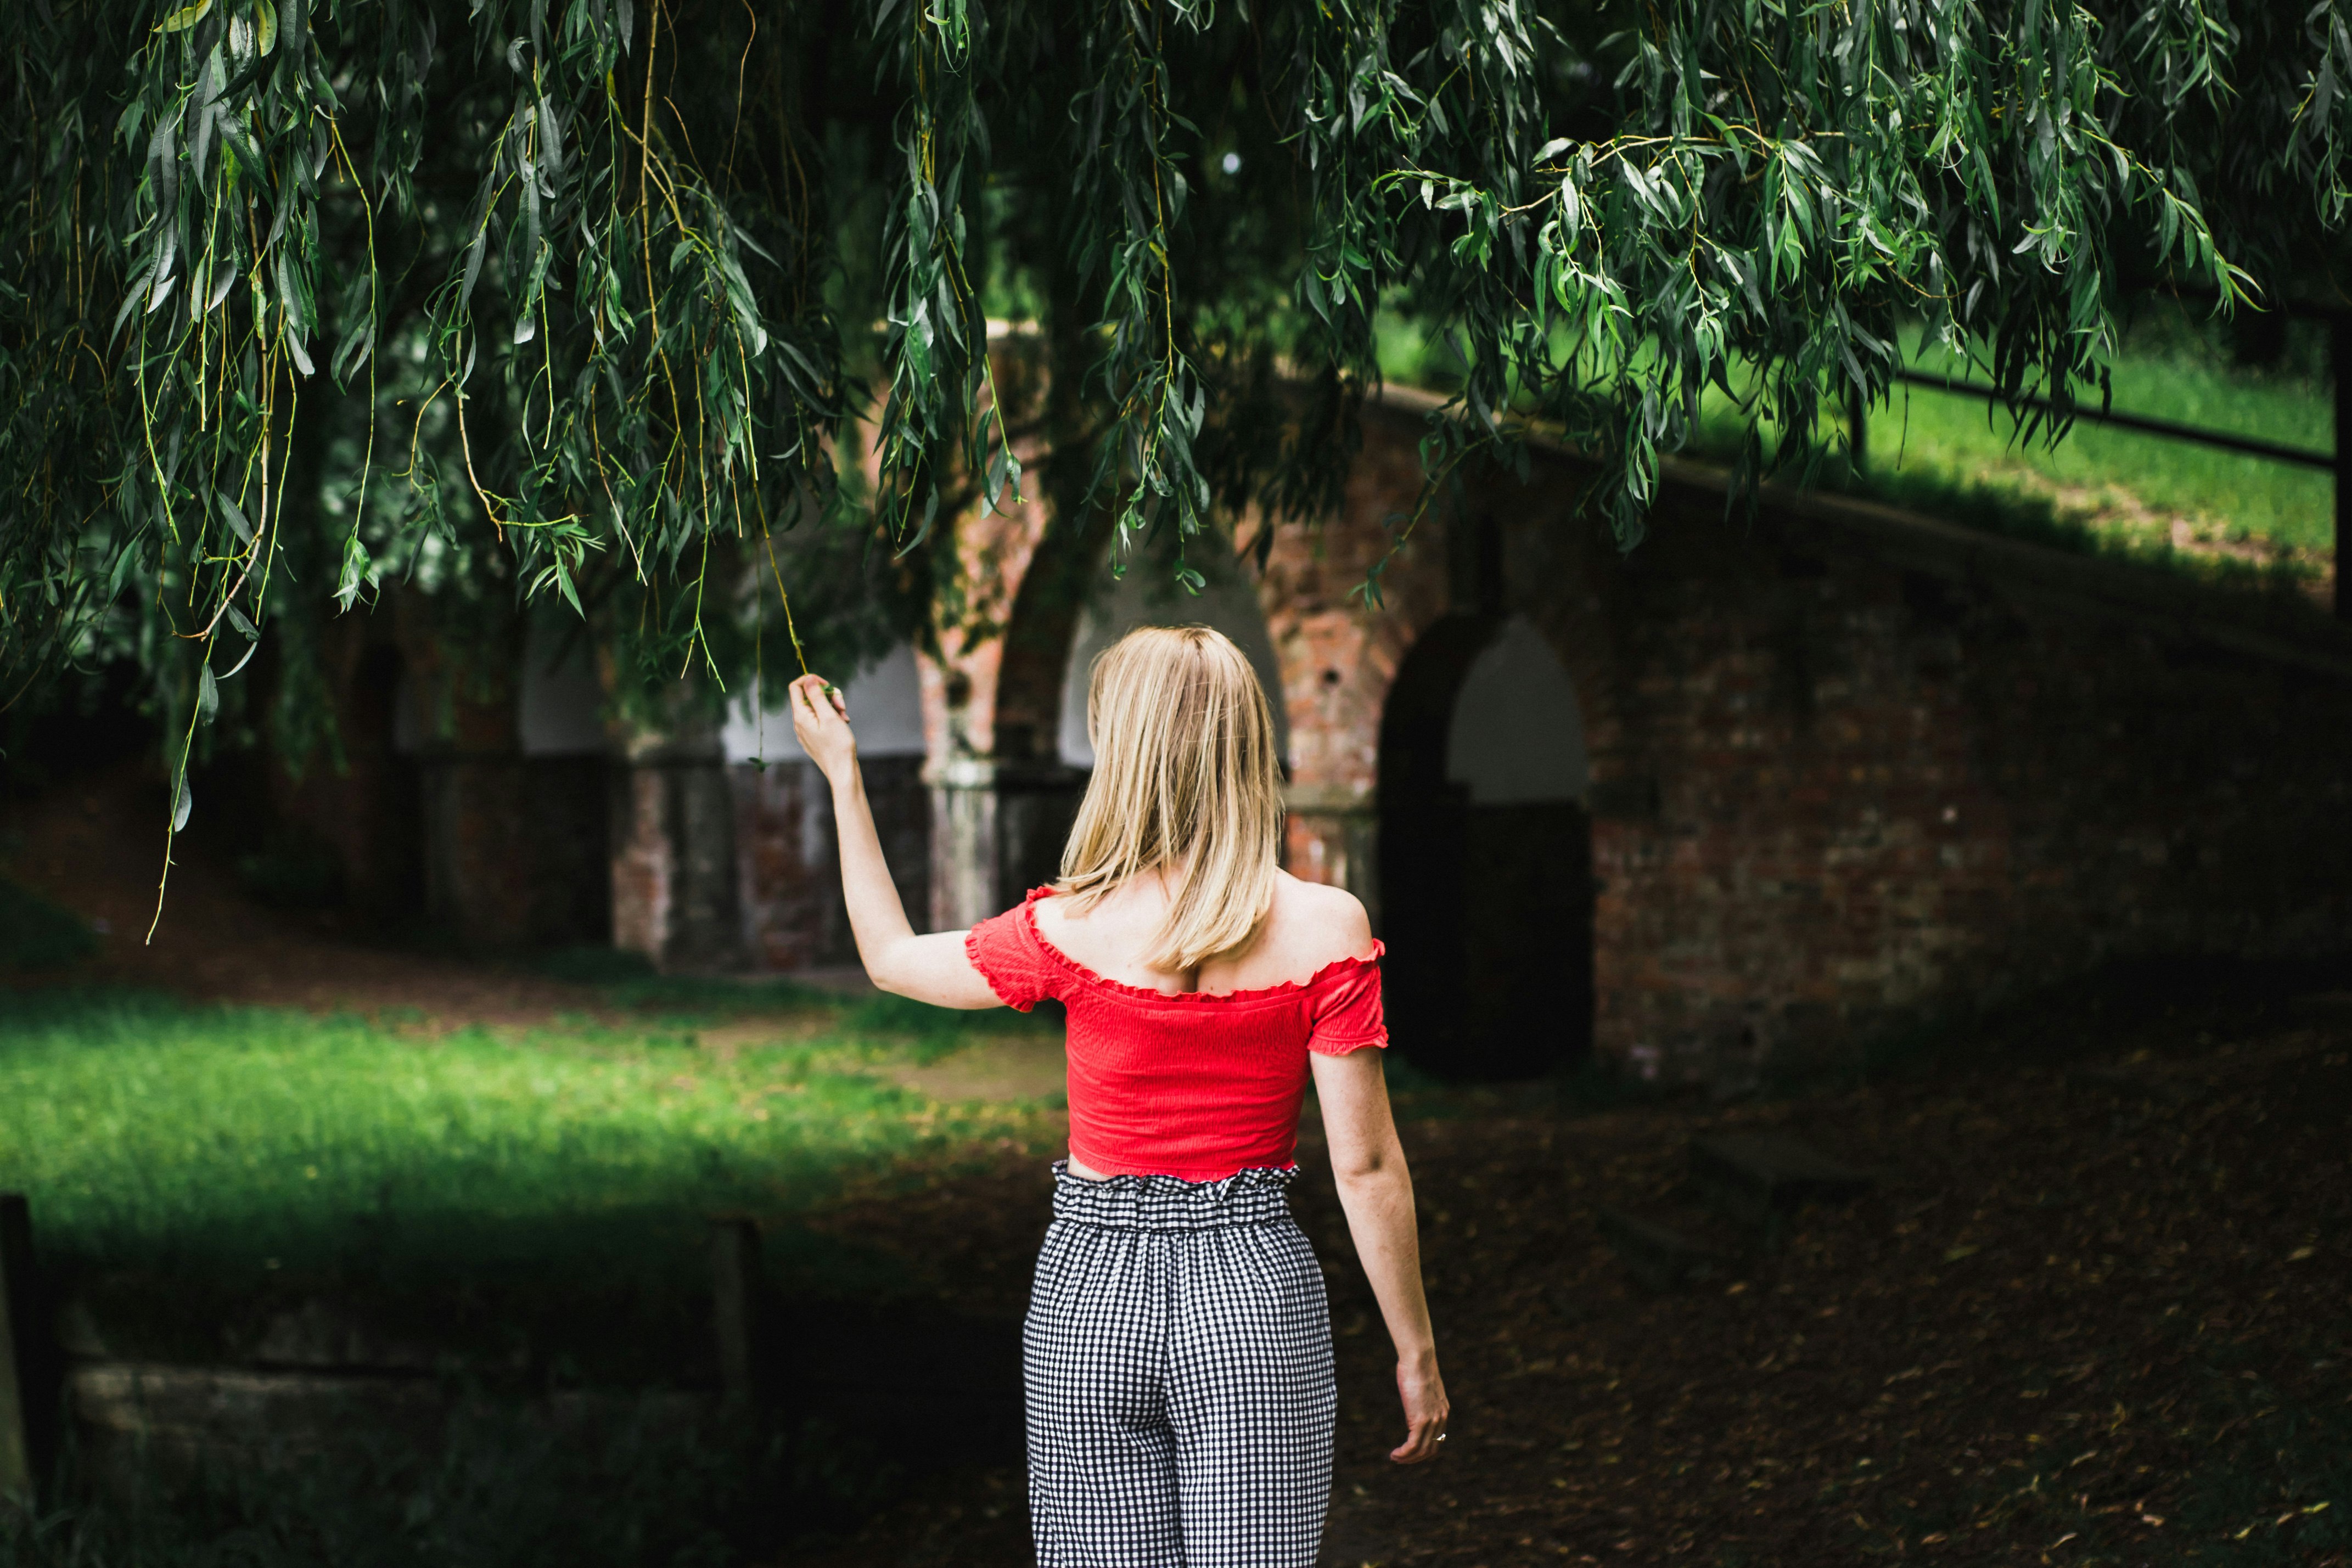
<point>2082,1318</point>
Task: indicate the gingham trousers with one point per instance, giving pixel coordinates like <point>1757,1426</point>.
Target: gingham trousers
<point>1177,1359</point>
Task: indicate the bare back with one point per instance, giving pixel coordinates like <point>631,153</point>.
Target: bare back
<point>1308,927</point>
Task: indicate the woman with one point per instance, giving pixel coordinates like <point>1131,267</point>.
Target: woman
<point>1177,1354</point>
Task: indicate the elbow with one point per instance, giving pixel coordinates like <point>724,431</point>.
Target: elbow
<point>1367,1167</point>
<point>894,965</point>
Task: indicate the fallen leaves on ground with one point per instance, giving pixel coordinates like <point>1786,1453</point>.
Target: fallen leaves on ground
<point>2084,1317</point>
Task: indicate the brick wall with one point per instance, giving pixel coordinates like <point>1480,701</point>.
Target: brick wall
<point>1851,769</point>
<point>461,834</point>
<point>1339,655</point>
<point>790,860</point>
<point>1848,769</point>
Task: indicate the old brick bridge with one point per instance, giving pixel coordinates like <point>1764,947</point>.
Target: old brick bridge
<point>1763,787</point>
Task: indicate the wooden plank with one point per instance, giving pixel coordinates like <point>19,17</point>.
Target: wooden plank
<point>196,1410</point>
<point>20,1361</point>
<point>1758,1178</point>
<point>145,1422</point>
<point>2339,355</point>
<point>735,1284</point>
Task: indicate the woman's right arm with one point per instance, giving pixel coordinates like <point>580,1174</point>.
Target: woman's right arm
<point>1376,1191</point>
<point>933,969</point>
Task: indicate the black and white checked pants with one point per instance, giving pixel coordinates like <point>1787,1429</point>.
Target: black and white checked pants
<point>1177,1358</point>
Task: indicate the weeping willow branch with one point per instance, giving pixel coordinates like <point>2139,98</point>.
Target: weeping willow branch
<point>1214,212</point>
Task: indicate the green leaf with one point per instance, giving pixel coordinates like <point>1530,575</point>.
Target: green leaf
<point>355,574</point>
<point>250,160</point>
<point>186,17</point>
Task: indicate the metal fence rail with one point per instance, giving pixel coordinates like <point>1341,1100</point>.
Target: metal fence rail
<point>2245,445</point>
<point>2338,462</point>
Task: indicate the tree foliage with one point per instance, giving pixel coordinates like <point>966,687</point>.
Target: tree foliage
<point>621,303</point>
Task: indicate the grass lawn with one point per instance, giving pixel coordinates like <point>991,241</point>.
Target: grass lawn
<point>2100,488</point>
<point>468,1183</point>
<point>2130,480</point>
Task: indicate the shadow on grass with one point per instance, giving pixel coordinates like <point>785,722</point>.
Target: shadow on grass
<point>630,980</point>
<point>504,1486</point>
<point>541,1203</point>
<point>530,1214</point>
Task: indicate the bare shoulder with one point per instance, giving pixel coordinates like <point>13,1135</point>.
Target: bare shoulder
<point>1318,925</point>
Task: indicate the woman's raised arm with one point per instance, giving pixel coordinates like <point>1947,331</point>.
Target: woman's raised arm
<point>933,969</point>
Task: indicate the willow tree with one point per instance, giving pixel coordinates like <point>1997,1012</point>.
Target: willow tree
<point>606,303</point>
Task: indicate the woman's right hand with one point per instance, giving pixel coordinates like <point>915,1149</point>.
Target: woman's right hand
<point>1427,1411</point>
<point>821,722</point>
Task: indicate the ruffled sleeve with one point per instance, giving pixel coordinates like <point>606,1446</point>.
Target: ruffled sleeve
<point>1344,1008</point>
<point>1006,953</point>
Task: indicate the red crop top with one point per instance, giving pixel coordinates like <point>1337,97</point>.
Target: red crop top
<point>1195,1086</point>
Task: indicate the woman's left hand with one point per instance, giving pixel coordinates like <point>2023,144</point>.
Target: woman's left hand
<point>1427,1411</point>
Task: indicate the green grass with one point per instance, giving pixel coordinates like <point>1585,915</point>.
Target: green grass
<point>2098,489</point>
<point>2171,376</point>
<point>488,1183</point>
<point>629,980</point>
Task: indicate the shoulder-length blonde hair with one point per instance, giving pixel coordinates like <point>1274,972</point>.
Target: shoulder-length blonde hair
<point>1185,777</point>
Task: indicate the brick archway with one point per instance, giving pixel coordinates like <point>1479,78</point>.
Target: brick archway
<point>1485,856</point>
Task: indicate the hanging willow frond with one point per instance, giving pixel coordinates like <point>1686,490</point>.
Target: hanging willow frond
<point>581,300</point>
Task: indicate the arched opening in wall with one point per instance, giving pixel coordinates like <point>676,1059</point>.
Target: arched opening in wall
<point>1001,825</point>
<point>1036,823</point>
<point>1486,854</point>
<point>1148,595</point>
<point>332,830</point>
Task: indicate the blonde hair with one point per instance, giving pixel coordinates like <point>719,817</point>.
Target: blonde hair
<point>1185,777</point>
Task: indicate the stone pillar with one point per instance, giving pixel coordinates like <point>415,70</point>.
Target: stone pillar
<point>998,826</point>
<point>1036,803</point>
<point>677,891</point>
<point>964,843</point>
<point>1332,836</point>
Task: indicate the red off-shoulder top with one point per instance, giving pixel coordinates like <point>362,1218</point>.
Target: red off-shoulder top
<point>1198,1085</point>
